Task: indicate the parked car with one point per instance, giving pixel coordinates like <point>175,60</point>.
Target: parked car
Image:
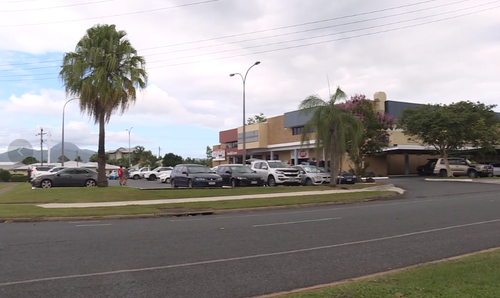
<point>66,177</point>
<point>165,177</point>
<point>139,174</point>
<point>193,175</point>
<point>496,169</point>
<point>428,168</point>
<point>39,170</point>
<point>239,175</point>
<point>113,175</point>
<point>276,172</point>
<point>312,175</point>
<point>462,167</point>
<point>155,174</point>
<point>346,178</point>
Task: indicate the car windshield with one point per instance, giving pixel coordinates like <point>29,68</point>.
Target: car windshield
<point>278,164</point>
<point>195,169</point>
<point>311,169</point>
<point>241,169</point>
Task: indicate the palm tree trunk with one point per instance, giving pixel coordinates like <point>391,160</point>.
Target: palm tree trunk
<point>333,162</point>
<point>102,180</point>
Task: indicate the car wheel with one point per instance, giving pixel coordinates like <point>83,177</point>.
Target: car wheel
<point>152,177</point>
<point>490,175</point>
<point>443,173</point>
<point>46,184</point>
<point>190,183</point>
<point>136,177</point>
<point>172,183</point>
<point>309,182</point>
<point>233,183</point>
<point>271,181</point>
<point>472,174</point>
<point>90,183</point>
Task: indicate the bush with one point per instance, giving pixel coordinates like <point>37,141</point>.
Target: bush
<point>19,178</point>
<point>4,175</point>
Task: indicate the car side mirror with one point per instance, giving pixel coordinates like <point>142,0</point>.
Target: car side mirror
<point>185,173</point>
<point>228,172</point>
<point>58,174</point>
<point>264,168</point>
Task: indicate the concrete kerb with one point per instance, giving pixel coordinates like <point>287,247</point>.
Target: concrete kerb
<point>393,196</point>
<point>388,187</point>
<point>478,180</point>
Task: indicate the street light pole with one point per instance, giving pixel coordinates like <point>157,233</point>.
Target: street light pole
<point>244,78</point>
<point>129,162</point>
<point>62,146</point>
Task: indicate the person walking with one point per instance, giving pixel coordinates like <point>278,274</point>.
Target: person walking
<point>126,174</point>
<point>120,175</point>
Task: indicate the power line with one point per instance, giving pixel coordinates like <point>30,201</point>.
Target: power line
<point>261,31</point>
<point>53,7</point>
<point>314,43</point>
<point>109,16</point>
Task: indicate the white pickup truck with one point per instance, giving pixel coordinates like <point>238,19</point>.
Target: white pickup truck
<point>276,172</point>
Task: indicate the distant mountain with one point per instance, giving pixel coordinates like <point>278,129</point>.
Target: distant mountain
<point>70,150</point>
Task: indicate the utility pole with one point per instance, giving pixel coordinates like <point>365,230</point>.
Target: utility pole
<point>49,135</point>
<point>77,158</point>
<point>159,152</point>
<point>41,134</point>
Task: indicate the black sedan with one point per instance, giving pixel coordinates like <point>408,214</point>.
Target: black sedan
<point>239,175</point>
<point>67,177</point>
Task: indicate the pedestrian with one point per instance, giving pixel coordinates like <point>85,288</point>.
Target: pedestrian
<point>29,174</point>
<point>126,174</point>
<point>120,175</point>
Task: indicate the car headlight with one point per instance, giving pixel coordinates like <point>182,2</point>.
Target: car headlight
<point>241,178</point>
<point>199,178</point>
<point>219,179</point>
<point>279,172</point>
<point>318,177</point>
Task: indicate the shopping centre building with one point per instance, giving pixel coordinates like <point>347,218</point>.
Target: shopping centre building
<point>280,139</point>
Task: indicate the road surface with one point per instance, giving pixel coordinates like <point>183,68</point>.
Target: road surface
<point>249,253</point>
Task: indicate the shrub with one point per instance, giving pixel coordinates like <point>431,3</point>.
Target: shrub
<point>4,175</point>
<point>19,178</point>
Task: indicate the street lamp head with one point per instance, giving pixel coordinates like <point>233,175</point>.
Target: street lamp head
<point>257,63</point>
<point>232,74</point>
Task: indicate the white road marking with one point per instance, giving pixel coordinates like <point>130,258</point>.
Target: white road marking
<point>294,222</point>
<point>303,211</point>
<point>279,253</point>
<point>83,221</point>
<point>93,225</point>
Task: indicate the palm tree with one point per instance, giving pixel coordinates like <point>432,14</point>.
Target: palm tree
<point>336,130</point>
<point>103,72</point>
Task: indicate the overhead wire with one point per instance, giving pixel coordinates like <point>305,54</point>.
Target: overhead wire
<point>52,7</point>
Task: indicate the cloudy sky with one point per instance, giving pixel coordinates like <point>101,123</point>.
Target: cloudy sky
<point>437,51</point>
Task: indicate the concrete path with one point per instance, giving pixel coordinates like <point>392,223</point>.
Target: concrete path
<point>388,187</point>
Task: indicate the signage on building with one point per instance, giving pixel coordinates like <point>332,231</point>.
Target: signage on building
<point>218,155</point>
<point>301,154</point>
<point>231,152</point>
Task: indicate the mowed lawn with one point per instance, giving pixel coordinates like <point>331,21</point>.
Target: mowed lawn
<point>23,194</point>
<point>8,211</point>
<point>474,276</point>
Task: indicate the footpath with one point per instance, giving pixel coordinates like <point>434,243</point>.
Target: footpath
<point>388,187</point>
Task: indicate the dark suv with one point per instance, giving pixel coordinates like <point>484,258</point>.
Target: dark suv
<point>193,175</point>
<point>428,168</point>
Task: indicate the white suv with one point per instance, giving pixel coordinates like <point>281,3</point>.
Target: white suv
<point>276,172</point>
<point>155,174</point>
<point>139,174</point>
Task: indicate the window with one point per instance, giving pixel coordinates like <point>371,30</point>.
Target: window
<point>299,129</point>
<point>232,144</point>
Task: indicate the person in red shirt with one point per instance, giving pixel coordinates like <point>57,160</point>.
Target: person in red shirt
<point>120,175</point>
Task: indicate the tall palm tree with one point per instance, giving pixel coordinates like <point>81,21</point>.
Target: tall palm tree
<point>103,72</point>
<point>336,130</point>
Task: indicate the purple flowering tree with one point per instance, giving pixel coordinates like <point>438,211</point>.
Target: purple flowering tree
<point>375,135</point>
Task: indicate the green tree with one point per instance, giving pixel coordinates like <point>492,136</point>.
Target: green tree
<point>452,127</point>
<point>103,72</point>
<point>60,158</point>
<point>257,119</point>
<point>335,128</point>
<point>209,152</point>
<point>375,133</point>
<point>29,160</point>
<point>170,160</point>
<point>78,159</point>
<point>93,158</point>
<point>4,175</point>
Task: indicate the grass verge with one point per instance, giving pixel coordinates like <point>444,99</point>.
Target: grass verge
<point>23,194</point>
<point>4,185</point>
<point>472,276</point>
<point>30,211</point>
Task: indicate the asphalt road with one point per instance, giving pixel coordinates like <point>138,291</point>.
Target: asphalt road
<point>249,253</point>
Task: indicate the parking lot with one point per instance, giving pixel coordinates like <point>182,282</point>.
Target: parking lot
<point>141,183</point>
